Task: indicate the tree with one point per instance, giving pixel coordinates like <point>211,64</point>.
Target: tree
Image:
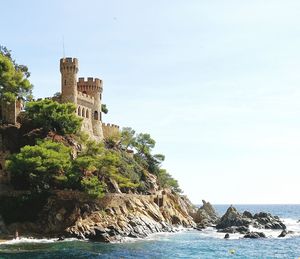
<point>93,186</point>
<point>40,167</point>
<point>144,144</point>
<point>166,180</point>
<point>52,115</point>
<point>127,137</point>
<point>14,83</point>
<point>104,108</point>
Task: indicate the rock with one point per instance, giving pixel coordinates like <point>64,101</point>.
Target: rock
<point>234,229</point>
<point>247,214</point>
<point>283,233</point>
<point>226,236</point>
<point>205,216</point>
<point>232,221</point>
<point>61,238</point>
<point>255,235</point>
<point>267,221</point>
<point>232,218</point>
<point>130,215</point>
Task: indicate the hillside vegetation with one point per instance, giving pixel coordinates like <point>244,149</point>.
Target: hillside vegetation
<point>60,156</point>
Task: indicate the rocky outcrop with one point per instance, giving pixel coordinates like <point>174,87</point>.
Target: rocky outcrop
<point>205,216</point>
<point>234,222</point>
<point>110,219</point>
<point>267,221</point>
<point>232,218</point>
<point>134,216</point>
<point>285,232</point>
<point>255,235</point>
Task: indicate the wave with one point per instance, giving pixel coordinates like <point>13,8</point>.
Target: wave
<point>24,240</point>
<point>210,232</point>
<point>291,225</point>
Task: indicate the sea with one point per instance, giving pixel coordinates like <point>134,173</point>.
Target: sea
<point>186,243</point>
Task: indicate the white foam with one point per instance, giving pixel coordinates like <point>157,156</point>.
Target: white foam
<point>212,232</point>
<point>291,225</point>
<point>163,236</point>
<point>22,240</point>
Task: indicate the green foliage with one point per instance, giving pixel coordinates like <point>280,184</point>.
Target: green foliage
<point>93,186</point>
<point>52,115</point>
<point>166,180</point>
<point>40,167</point>
<point>143,145</point>
<point>127,137</point>
<point>14,83</point>
<point>95,160</point>
<point>104,108</point>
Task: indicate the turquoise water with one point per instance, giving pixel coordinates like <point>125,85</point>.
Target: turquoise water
<point>185,244</point>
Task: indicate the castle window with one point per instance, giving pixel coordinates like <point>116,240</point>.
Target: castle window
<point>79,111</point>
<point>84,92</point>
<point>100,116</point>
<point>1,167</point>
<point>87,114</point>
<point>95,115</point>
<point>83,112</point>
<point>65,81</point>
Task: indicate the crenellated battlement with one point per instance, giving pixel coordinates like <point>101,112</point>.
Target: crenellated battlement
<point>69,64</point>
<point>110,130</point>
<point>110,125</point>
<point>91,84</point>
<point>85,97</point>
<point>89,80</point>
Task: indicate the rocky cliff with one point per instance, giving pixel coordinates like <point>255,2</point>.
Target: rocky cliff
<point>109,219</point>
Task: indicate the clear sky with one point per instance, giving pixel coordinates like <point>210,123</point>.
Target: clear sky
<point>216,83</point>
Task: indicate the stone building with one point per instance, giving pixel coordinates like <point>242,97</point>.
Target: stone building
<point>85,94</point>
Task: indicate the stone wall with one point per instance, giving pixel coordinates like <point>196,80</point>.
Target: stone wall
<point>10,111</point>
<point>110,130</point>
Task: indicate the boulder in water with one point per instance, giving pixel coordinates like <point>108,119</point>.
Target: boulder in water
<point>205,216</point>
<point>232,218</point>
<point>255,235</point>
<point>226,236</point>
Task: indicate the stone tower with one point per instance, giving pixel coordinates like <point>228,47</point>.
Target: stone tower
<point>69,70</point>
<point>93,87</point>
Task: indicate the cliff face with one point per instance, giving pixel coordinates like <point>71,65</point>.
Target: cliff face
<point>133,216</point>
<point>109,219</point>
<point>75,214</point>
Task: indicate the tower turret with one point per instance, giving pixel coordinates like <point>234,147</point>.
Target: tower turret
<point>93,87</point>
<point>69,70</point>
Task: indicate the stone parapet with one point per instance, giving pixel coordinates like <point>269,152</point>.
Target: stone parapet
<point>91,84</point>
<point>110,130</point>
<point>85,97</point>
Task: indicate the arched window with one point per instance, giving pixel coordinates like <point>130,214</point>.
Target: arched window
<point>84,92</point>
<point>0,167</point>
<point>87,113</point>
<point>83,112</point>
<point>95,115</point>
<point>79,111</point>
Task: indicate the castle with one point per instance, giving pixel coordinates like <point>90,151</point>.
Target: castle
<point>85,94</point>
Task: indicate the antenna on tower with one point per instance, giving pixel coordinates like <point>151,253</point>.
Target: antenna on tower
<point>64,47</point>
